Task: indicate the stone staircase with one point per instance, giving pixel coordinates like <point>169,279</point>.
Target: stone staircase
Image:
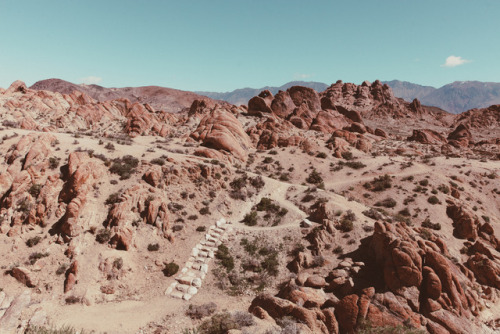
<point>190,279</point>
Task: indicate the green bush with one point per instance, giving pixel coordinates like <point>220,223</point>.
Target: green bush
<point>380,183</point>
<point>124,166</point>
<point>433,200</point>
<point>53,163</point>
<point>314,178</point>
<point>218,324</point>
<point>113,198</point>
<point>389,202</point>
<point>225,259</point>
<point>35,190</point>
<point>33,241</point>
<point>171,269</point>
<point>251,218</point>
<point>103,236</point>
<point>153,247</point>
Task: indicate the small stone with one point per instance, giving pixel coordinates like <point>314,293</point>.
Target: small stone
<point>196,282</point>
<point>192,290</point>
<point>182,288</point>
<point>177,294</point>
<point>344,264</point>
<point>187,296</point>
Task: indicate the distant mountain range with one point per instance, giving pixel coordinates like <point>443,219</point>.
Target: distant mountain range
<point>242,95</point>
<point>456,97</point>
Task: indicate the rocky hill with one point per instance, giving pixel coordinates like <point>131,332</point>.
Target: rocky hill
<point>242,95</point>
<point>342,211</point>
<point>160,98</point>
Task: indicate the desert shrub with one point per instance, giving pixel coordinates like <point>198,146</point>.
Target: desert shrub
<point>53,330</point>
<point>273,152</point>
<point>36,256</point>
<point>285,177</point>
<point>367,328</point>
<point>321,155</point>
<point>53,163</point>
<point>251,218</point>
<point>424,182</point>
<point>271,263</point>
<point>268,160</point>
<point>158,161</point>
<point>267,204</point>
<point>153,247</point>
<point>373,214</point>
<point>314,178</point>
<point>192,217</point>
<point>347,221</point>
<point>201,311</point>
<point>178,227</point>
<point>444,188</point>
<point>307,198</point>
<point>428,224</point>
<point>243,319</point>
<point>405,212</point>
<point>113,198</point>
<point>389,202</point>
<point>486,218</point>
<point>172,206</point>
<point>379,183</point>
<point>109,147</point>
<point>218,324</point>
<point>257,182</point>
<point>355,164</point>
<point>103,236</point>
<point>433,200</point>
<point>33,241</point>
<point>425,234</point>
<point>34,190</point>
<point>338,250</point>
<point>204,210</point>
<point>225,259</point>
<point>171,269</point>
<point>238,183</point>
<point>124,166</point>
<point>61,269</point>
<point>347,155</point>
<point>201,229</point>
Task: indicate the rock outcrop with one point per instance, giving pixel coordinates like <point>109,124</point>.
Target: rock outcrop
<point>222,131</point>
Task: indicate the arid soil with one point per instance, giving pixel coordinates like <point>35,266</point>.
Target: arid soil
<point>342,211</point>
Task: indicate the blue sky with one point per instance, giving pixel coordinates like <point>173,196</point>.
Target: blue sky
<point>221,45</point>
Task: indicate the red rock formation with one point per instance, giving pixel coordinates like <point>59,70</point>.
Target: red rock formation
<point>465,225</point>
<point>426,136</point>
<point>222,131</point>
<point>460,137</point>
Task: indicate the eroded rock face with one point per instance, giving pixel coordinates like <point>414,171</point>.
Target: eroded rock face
<point>414,283</point>
<point>222,131</point>
<point>460,137</point>
<point>465,225</point>
<point>83,172</point>
<point>426,136</point>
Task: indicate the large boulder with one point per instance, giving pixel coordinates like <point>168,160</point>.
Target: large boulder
<point>220,130</point>
<point>426,136</point>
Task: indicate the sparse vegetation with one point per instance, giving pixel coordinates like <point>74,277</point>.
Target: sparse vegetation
<point>153,247</point>
<point>124,167</point>
<point>33,241</point>
<point>171,269</point>
<point>380,183</point>
<point>103,236</point>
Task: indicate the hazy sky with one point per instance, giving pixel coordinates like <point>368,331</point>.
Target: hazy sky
<point>221,45</point>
